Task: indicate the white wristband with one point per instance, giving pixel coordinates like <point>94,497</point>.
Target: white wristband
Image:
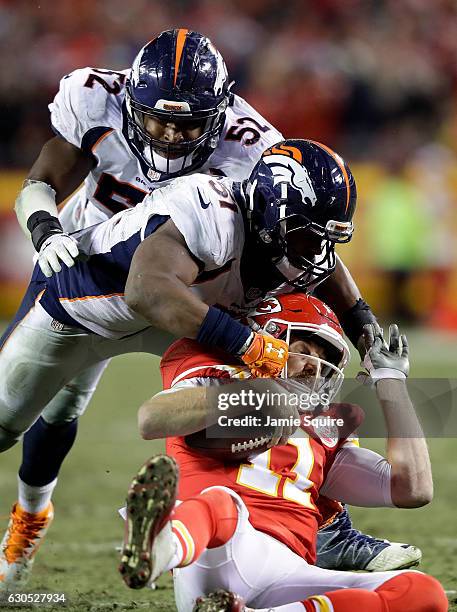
<point>245,346</point>
<point>35,196</point>
<point>382,373</point>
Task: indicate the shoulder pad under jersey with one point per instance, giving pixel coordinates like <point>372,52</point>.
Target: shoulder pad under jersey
<point>245,136</point>
<point>88,99</point>
<point>205,212</point>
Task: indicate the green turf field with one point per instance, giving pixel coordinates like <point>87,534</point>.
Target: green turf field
<point>79,556</point>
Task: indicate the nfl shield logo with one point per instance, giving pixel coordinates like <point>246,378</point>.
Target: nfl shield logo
<point>153,175</point>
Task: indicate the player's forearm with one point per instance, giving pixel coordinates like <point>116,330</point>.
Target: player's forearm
<point>166,303</point>
<point>173,414</point>
<point>339,290</point>
<point>62,166</point>
<point>341,293</point>
<point>411,476</point>
<point>159,289</point>
<point>158,285</point>
<point>57,172</point>
<point>184,411</point>
<point>193,409</point>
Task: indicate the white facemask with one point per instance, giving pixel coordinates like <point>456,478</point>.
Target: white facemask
<point>291,272</point>
<point>162,165</point>
<point>288,270</point>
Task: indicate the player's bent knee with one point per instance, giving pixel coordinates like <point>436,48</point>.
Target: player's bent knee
<point>8,439</point>
<point>420,592</point>
<point>223,501</point>
<point>224,514</point>
<point>69,404</point>
<point>432,595</point>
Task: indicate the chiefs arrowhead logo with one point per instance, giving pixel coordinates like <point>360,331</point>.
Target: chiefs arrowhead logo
<point>267,306</point>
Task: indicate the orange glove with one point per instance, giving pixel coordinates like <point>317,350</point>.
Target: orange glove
<point>265,356</point>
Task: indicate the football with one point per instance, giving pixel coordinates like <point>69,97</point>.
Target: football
<point>228,449</point>
<point>257,439</point>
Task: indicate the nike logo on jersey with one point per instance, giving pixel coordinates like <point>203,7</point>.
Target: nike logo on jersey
<point>203,204</point>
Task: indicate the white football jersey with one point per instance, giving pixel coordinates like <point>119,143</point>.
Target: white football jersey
<point>204,209</point>
<point>88,112</point>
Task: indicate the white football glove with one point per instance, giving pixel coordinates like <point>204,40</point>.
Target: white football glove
<point>384,360</point>
<point>57,248</point>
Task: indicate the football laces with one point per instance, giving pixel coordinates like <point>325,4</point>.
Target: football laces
<point>249,444</point>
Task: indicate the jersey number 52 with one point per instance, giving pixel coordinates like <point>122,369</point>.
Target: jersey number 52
<point>247,128</point>
<point>114,88</point>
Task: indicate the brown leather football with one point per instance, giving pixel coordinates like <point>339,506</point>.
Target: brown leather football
<point>227,449</point>
<point>255,440</point>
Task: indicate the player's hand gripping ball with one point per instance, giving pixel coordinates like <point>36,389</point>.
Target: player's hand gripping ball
<point>266,356</point>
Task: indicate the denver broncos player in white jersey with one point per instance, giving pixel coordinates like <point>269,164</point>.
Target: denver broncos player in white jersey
<point>125,134</point>
<point>164,265</point>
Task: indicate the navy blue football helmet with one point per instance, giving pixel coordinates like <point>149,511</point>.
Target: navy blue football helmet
<point>178,77</point>
<point>301,197</point>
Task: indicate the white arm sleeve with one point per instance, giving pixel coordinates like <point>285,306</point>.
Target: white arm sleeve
<point>35,196</point>
<point>359,477</point>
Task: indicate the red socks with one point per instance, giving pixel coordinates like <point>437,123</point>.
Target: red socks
<point>207,520</point>
<point>409,591</point>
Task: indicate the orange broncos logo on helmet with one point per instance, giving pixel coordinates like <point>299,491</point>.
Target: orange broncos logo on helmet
<point>283,149</point>
<point>295,153</point>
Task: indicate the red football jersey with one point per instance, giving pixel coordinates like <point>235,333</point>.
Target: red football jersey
<point>280,487</point>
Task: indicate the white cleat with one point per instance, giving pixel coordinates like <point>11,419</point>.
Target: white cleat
<point>163,551</point>
<point>23,537</point>
<point>396,556</point>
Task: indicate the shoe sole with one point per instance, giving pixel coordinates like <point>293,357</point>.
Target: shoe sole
<point>395,567</point>
<point>150,500</point>
<point>409,565</point>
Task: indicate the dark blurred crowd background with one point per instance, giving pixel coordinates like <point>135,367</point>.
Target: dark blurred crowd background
<point>374,79</point>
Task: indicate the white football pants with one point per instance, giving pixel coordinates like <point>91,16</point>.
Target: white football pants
<point>262,570</point>
<point>52,370</point>
<point>74,395</point>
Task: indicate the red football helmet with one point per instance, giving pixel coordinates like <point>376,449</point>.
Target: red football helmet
<point>288,315</point>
